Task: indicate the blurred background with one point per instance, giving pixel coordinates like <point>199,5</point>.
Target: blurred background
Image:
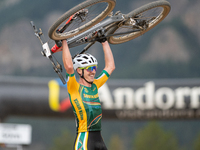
<point>170,51</point>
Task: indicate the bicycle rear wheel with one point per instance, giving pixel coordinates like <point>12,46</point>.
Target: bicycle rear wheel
<point>93,11</point>
<point>139,21</point>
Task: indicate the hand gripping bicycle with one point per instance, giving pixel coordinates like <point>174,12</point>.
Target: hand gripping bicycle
<point>87,23</point>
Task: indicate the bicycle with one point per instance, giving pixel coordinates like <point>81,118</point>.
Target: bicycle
<point>86,23</point>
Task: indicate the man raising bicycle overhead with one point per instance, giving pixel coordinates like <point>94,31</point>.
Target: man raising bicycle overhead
<point>84,95</point>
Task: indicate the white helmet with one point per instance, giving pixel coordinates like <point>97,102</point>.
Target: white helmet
<point>84,60</point>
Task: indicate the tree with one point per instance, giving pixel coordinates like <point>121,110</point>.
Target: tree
<point>116,143</point>
<point>153,137</point>
<point>197,143</point>
<point>65,141</point>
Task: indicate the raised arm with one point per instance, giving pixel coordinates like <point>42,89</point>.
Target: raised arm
<point>109,59</point>
<point>67,58</point>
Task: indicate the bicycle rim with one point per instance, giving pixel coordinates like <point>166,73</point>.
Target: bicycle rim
<point>142,19</point>
<point>97,11</point>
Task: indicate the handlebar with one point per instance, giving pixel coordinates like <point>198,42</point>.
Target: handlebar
<point>47,53</point>
<point>34,27</point>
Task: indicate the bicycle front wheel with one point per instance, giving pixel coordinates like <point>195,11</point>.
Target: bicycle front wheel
<point>139,21</point>
<point>90,12</point>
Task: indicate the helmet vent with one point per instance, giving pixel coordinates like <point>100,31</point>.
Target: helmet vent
<point>84,60</point>
<point>92,59</point>
<point>85,57</point>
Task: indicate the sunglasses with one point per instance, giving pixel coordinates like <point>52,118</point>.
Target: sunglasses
<point>90,68</point>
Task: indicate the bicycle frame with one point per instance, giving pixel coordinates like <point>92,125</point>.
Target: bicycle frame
<point>89,36</point>
<point>78,40</point>
<point>106,24</point>
<point>106,28</point>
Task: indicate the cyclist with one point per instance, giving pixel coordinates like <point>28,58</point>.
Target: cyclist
<point>84,95</point>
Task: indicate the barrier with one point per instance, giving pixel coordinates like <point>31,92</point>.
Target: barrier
<point>121,99</point>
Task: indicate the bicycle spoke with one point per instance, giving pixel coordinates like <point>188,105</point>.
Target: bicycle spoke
<point>93,11</point>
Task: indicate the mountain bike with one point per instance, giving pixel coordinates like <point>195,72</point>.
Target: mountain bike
<point>87,23</point>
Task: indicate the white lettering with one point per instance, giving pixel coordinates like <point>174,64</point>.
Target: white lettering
<point>181,93</point>
<point>146,93</point>
<point>124,98</point>
<point>147,98</point>
<point>195,94</point>
<point>169,102</point>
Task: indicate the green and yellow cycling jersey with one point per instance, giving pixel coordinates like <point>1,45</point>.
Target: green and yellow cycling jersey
<point>85,102</point>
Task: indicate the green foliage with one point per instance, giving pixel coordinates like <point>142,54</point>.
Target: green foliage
<point>116,143</point>
<point>153,137</point>
<point>197,143</point>
<point>65,141</point>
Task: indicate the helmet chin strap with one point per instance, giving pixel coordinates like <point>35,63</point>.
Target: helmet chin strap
<point>82,76</point>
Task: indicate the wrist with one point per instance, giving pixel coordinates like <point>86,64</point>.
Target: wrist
<point>105,42</point>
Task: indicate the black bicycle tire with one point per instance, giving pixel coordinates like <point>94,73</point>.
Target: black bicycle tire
<point>58,36</point>
<point>119,40</point>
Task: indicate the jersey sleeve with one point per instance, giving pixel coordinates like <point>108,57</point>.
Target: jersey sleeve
<point>72,84</point>
<point>101,79</point>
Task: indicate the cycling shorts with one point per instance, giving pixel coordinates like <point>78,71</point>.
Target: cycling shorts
<point>89,141</point>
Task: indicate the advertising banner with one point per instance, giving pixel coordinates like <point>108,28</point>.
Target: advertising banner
<point>19,134</point>
<point>120,99</point>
